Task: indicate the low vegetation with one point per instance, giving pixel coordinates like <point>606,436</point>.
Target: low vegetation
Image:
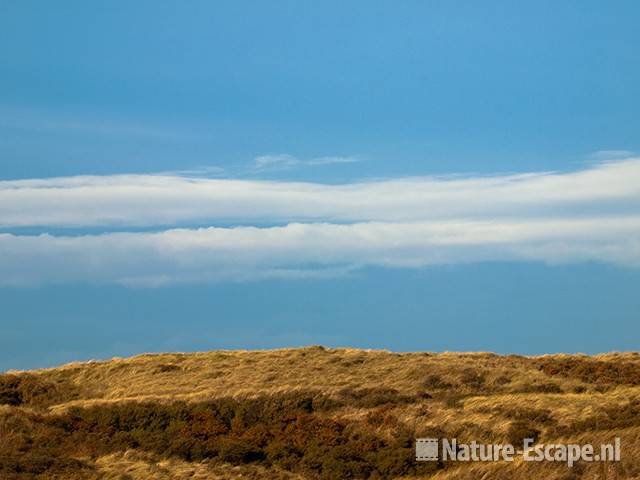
<point>311,413</point>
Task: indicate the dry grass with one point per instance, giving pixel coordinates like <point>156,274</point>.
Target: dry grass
<point>378,395</point>
<point>135,465</point>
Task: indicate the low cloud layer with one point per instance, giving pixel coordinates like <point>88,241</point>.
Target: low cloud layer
<point>164,200</point>
<point>308,250</point>
<point>589,215</point>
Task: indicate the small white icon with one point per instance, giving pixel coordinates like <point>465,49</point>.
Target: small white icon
<point>426,449</point>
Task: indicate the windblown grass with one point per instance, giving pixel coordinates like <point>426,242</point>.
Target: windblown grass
<point>312,413</point>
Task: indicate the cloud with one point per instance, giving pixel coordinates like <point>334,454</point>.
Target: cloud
<point>309,250</point>
<point>281,161</point>
<point>286,162</point>
<point>332,160</point>
<point>261,164</point>
<point>603,155</point>
<point>199,171</point>
<point>327,230</point>
<point>121,201</point>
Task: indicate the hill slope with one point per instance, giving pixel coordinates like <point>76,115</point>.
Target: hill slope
<point>313,413</point>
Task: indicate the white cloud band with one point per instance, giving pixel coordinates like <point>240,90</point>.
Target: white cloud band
<point>185,255</point>
<point>589,215</point>
<point>154,200</point>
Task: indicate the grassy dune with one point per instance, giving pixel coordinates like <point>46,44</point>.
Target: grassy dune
<point>312,413</point>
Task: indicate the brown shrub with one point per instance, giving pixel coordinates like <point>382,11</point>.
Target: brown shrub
<point>10,391</point>
<point>502,380</point>
<point>43,463</point>
<point>33,390</point>
<point>381,416</point>
<point>529,415</point>
<point>238,450</point>
<point>284,430</point>
<point>435,382</point>
<point>472,378</point>
<point>167,368</point>
<point>593,371</point>
<point>548,387</point>
<point>453,400</point>
<point>32,449</point>
<point>519,430</point>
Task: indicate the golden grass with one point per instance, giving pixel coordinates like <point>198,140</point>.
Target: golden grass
<point>200,376</point>
<point>134,465</point>
<point>473,395</point>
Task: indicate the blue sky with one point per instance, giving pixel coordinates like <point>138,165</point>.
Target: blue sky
<point>413,175</point>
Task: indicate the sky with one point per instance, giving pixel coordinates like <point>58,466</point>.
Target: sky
<point>441,176</point>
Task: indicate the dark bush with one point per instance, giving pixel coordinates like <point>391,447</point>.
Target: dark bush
<point>548,387</point>
<point>10,392</point>
<point>593,371</point>
<point>529,415</point>
<point>519,430</point>
<point>238,450</point>
<point>167,368</point>
<point>33,390</point>
<point>283,453</point>
<point>381,416</point>
<point>453,400</point>
<point>42,464</point>
<point>435,382</point>
<point>288,430</point>
<point>502,380</point>
<point>32,449</point>
<point>471,378</point>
